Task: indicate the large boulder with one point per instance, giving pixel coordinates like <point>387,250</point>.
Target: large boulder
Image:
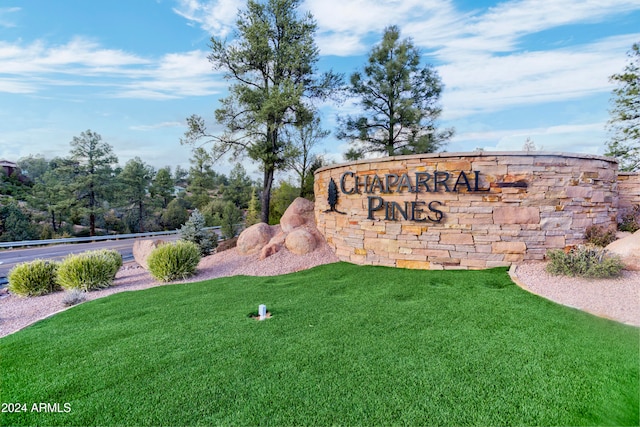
<point>299,213</point>
<point>254,238</point>
<point>142,249</point>
<point>628,248</point>
<point>300,241</point>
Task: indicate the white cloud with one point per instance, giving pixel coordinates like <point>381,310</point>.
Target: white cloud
<point>505,23</point>
<point>33,67</point>
<point>79,56</point>
<point>345,27</point>
<point>216,17</point>
<point>485,83</point>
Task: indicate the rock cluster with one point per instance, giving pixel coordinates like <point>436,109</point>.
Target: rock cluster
<point>296,232</point>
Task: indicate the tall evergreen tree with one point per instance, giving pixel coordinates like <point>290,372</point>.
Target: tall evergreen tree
<point>272,67</point>
<point>200,177</point>
<point>93,162</point>
<point>624,124</point>
<point>238,188</point>
<point>162,186</point>
<point>400,102</point>
<point>136,178</point>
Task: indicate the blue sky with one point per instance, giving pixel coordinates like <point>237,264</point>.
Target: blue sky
<point>133,70</point>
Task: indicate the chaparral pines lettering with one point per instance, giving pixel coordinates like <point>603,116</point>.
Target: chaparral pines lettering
<point>419,182</point>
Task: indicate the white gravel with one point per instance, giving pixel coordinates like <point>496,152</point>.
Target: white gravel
<point>617,299</point>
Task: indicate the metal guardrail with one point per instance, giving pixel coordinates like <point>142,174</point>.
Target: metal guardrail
<point>90,239</point>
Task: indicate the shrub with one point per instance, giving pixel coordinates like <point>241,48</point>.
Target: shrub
<point>193,231</point>
<point>631,220</point>
<point>177,260</point>
<point>73,297</point>
<point>599,236</point>
<point>584,261</point>
<point>89,270</point>
<point>33,278</point>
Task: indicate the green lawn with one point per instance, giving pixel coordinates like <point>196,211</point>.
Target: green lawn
<point>348,345</point>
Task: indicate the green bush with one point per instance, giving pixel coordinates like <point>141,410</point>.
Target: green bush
<point>177,260</point>
<point>599,236</point>
<point>584,261</point>
<point>33,278</point>
<point>89,270</point>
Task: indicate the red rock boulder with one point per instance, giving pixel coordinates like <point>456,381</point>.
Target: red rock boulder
<point>628,248</point>
<point>300,241</point>
<point>299,213</point>
<point>142,249</point>
<point>254,238</point>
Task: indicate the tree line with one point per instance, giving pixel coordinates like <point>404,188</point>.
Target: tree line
<point>88,193</point>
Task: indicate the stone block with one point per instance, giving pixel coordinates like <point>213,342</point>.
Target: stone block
<point>579,192</point>
<point>509,247</point>
<point>414,229</point>
<point>455,165</point>
<point>473,263</point>
<point>556,222</point>
<point>412,264</point>
<point>516,215</point>
<point>456,239</point>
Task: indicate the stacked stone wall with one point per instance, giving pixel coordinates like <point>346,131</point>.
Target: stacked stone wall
<point>521,205</point>
<point>628,192</point>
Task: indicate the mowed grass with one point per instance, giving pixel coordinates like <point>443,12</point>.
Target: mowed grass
<point>347,345</point>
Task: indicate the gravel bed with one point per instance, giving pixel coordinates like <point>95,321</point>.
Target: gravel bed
<point>617,299</point>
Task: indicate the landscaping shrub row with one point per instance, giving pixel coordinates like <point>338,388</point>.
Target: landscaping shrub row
<point>97,269</point>
<point>85,271</point>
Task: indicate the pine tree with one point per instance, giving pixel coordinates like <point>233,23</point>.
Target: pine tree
<point>625,115</point>
<point>193,231</point>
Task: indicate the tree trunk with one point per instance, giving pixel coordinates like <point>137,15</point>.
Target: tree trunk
<point>266,193</point>
<point>53,221</point>
<point>92,224</point>
<point>140,217</point>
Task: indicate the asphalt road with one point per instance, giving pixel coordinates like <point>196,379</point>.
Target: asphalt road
<point>10,257</point>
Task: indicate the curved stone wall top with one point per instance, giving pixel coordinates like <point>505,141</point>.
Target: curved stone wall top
<point>462,210</point>
<point>481,154</point>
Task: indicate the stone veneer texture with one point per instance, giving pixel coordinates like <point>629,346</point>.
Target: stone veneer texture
<point>534,202</point>
<point>628,192</point>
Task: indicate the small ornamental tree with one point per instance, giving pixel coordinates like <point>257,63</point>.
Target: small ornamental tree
<point>253,213</point>
<point>193,231</point>
<point>231,220</point>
